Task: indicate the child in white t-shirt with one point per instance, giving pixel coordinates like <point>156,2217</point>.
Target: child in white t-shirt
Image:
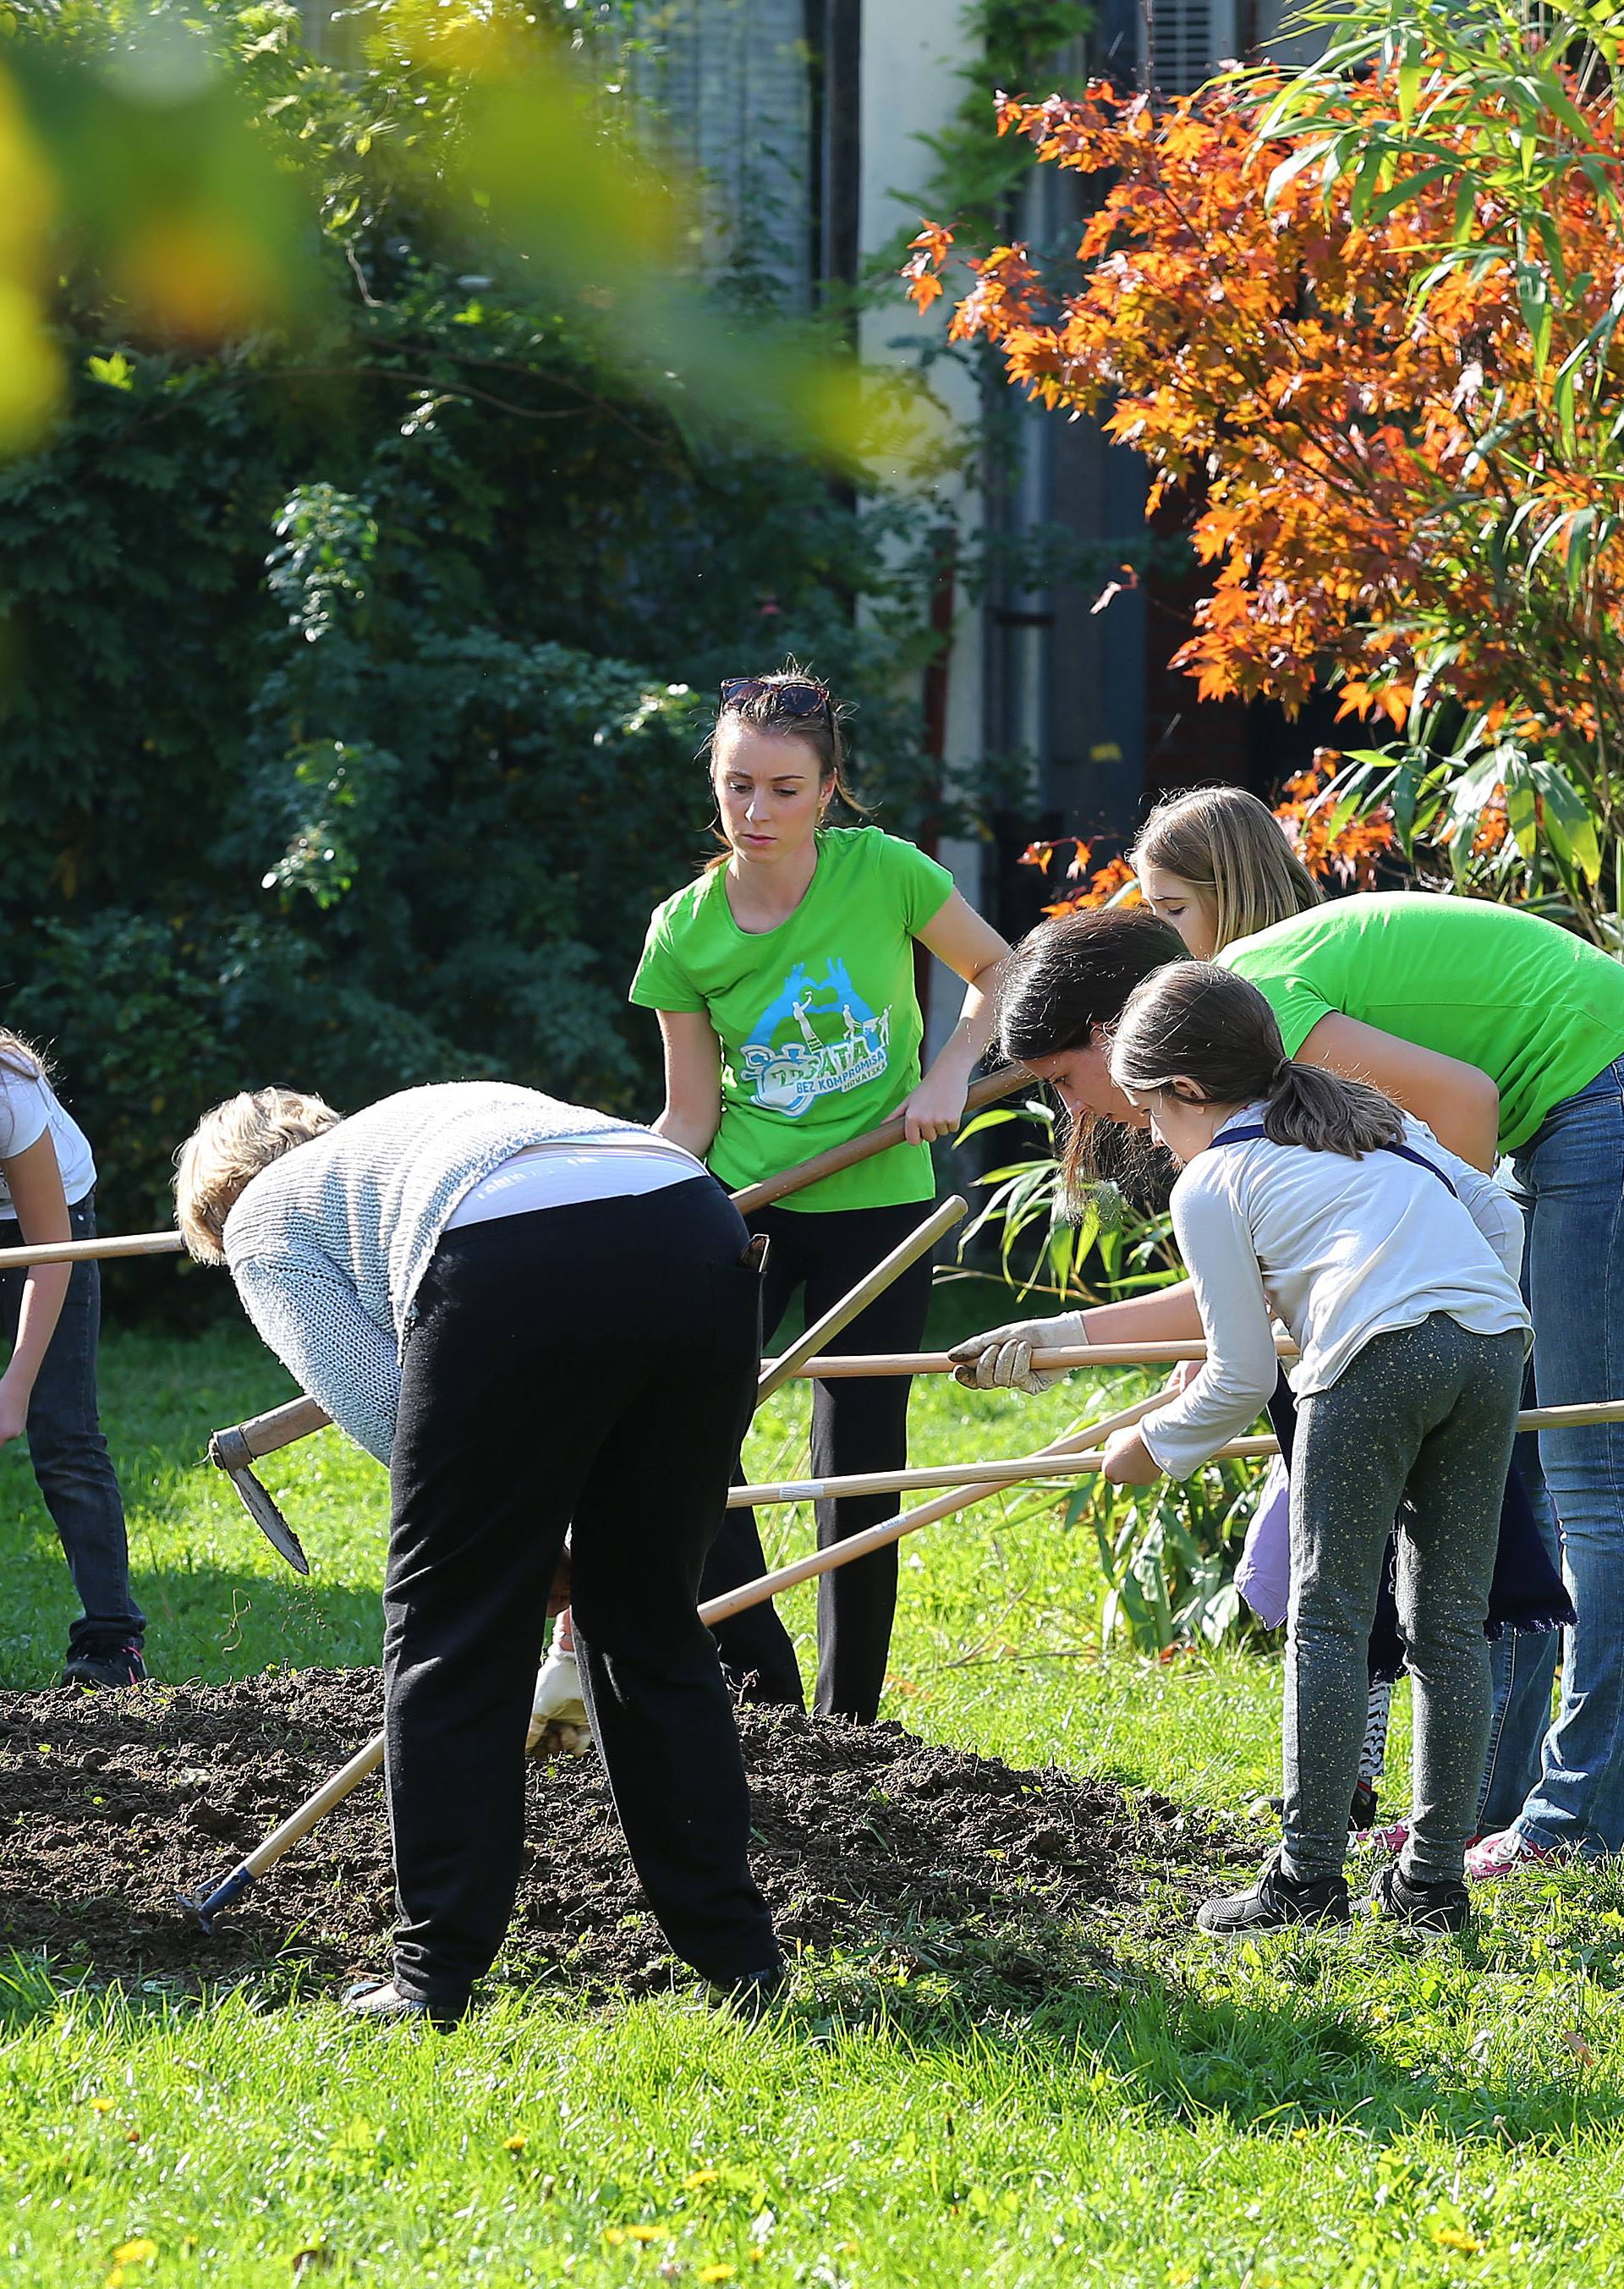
<point>51,1314</point>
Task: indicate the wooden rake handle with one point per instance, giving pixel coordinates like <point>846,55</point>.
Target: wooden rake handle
<point>1023,1468</point>
<point>92,1251</point>
<point>919,1242</point>
<point>843,1365</point>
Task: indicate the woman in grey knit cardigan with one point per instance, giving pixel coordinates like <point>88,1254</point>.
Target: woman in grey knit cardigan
<point>446,1274</point>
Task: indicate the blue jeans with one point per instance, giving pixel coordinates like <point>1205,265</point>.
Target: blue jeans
<point>1570,1176</point>
<point>69,1454</point>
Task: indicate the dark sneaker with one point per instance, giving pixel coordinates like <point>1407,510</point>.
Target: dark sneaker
<point>753,1994</point>
<point>1426,1907</point>
<point>1275,1901</point>
<point>387,2005</point>
<point>103,1663</point>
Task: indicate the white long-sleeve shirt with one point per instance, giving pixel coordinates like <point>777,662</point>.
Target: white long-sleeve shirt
<point>1342,1250</point>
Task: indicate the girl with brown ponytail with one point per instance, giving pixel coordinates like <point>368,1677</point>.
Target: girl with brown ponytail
<point>1394,1266</point>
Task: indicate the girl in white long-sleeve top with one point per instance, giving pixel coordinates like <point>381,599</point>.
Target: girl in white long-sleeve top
<point>1393,1264</point>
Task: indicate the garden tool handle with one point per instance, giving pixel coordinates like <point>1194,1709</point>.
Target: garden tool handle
<point>92,1251</point>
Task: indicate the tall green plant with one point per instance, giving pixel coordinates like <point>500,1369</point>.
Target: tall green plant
<point>1504,137</point>
<point>1166,1553</point>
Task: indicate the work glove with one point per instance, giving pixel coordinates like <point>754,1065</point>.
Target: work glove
<point>1002,1358</point>
<point>558,1715</point>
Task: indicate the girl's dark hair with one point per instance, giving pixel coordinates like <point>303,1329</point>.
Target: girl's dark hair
<point>1065,982</point>
<point>825,732</point>
<point>1208,1027</point>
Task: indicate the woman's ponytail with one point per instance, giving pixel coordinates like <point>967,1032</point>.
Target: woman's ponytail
<point>1306,1105</point>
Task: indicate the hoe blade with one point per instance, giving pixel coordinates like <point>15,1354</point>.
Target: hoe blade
<point>269,1520</point>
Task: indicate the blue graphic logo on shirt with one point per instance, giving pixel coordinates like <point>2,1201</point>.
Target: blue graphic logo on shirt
<point>848,1045</point>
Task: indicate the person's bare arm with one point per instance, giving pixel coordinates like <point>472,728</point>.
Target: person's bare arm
<point>692,1110</point>
<point>35,1182</point>
<point>1458,1103</point>
<point>958,936</point>
<point>1167,1315</point>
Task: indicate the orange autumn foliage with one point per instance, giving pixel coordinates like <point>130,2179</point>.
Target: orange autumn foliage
<point>1351,449</point>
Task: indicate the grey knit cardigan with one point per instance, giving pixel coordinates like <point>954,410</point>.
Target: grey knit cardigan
<point>328,1245</point>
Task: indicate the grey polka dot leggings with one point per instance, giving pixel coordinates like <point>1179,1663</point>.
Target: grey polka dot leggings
<point>1428,1411</point>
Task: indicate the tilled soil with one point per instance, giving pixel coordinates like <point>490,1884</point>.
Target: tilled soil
<point>113,1805</point>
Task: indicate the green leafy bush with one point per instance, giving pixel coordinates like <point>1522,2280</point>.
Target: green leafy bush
<point>351,677</point>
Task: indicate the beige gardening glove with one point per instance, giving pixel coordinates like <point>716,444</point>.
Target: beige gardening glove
<point>1002,1358</point>
<point>557,1716</point>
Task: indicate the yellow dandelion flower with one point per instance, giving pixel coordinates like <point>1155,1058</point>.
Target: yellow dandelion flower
<point>716,2272</point>
<point>646,2233</point>
<point>697,2178</point>
<point>1451,2236</point>
<point>140,2251</point>
<point>515,2144</point>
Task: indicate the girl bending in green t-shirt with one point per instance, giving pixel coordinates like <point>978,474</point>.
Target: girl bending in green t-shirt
<point>1505,1034</point>
<point>784,980</point>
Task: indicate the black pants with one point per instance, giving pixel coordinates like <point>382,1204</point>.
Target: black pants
<point>592,1365</point>
<point>68,1450</point>
<point>856,1425</point>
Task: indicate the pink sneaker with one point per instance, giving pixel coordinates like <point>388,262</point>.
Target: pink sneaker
<point>1394,1839</point>
<point>1502,1854</point>
<point>1388,1840</point>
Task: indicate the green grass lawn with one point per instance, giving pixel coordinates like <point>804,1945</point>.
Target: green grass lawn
<point>1357,2109</point>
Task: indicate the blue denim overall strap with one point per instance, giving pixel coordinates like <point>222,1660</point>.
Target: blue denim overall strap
<point>1255,1128</point>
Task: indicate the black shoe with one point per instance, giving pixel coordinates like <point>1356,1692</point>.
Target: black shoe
<point>386,2004</point>
<point>753,1994</point>
<point>1274,1901</point>
<point>104,1661</point>
<point>1442,1906</point>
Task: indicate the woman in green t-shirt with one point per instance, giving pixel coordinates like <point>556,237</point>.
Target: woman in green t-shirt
<point>1506,1035</point>
<point>784,979</point>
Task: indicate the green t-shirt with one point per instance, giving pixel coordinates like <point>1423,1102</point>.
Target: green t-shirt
<point>818,1019</point>
<point>1536,1008</point>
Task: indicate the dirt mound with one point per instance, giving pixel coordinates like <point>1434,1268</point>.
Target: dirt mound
<point>116,1803</point>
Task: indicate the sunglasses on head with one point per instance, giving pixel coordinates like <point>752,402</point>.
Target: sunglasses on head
<point>796,700</point>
